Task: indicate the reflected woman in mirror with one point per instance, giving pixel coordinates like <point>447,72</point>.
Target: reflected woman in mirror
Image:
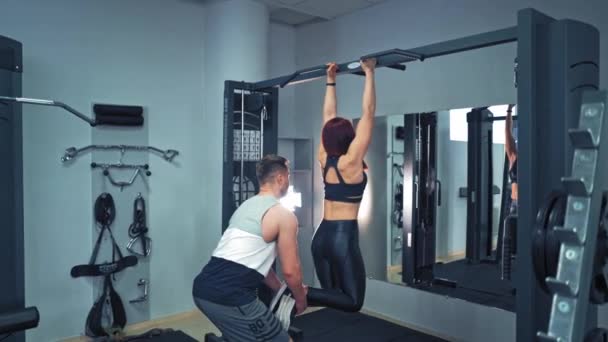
<point>510,222</point>
<point>511,150</point>
<point>335,245</point>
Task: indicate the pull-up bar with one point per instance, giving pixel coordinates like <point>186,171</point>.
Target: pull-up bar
<point>501,118</point>
<point>395,58</point>
<point>390,59</point>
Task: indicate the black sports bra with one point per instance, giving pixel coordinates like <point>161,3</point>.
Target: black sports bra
<point>342,191</point>
<point>513,172</point>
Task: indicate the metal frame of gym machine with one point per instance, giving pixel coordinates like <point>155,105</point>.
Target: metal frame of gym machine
<point>479,185</point>
<point>558,60</point>
<point>238,98</point>
<point>419,180</point>
<point>12,285</point>
<point>558,81</point>
<point>481,189</point>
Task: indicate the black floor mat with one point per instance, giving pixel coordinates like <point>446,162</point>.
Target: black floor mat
<point>159,335</point>
<point>330,325</point>
<point>478,283</point>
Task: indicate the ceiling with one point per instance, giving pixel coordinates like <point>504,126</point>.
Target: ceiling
<point>301,12</point>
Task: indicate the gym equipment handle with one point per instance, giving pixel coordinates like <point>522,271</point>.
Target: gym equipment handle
<point>141,283</point>
<point>119,166</point>
<point>52,104</point>
<point>20,320</point>
<point>73,152</point>
<point>501,118</point>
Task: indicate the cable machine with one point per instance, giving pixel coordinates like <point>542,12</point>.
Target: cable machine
<point>250,132</point>
<point>551,79</point>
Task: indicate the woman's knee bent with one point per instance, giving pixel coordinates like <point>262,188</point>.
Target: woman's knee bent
<point>355,305</point>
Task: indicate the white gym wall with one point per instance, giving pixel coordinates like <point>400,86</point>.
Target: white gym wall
<point>146,53</point>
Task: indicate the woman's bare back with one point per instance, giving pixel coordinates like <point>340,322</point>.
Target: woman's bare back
<point>352,174</point>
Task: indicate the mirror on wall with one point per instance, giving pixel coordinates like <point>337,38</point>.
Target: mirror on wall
<point>438,195</point>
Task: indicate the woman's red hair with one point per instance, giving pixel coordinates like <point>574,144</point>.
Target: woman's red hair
<point>337,135</point>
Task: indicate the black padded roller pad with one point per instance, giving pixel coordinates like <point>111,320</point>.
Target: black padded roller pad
<point>20,320</point>
<point>117,120</point>
<point>103,110</point>
<point>116,115</point>
<point>103,269</point>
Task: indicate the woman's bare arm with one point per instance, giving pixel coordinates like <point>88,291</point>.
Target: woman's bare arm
<point>330,104</point>
<point>363,137</point>
<point>510,147</point>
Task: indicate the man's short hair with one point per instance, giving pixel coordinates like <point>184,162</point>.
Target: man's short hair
<point>267,168</point>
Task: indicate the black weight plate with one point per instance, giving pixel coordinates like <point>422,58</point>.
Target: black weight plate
<point>599,283</point>
<point>599,289</point>
<point>552,243</point>
<point>538,238</point>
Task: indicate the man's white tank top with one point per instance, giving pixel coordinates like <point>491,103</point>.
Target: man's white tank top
<point>242,242</point>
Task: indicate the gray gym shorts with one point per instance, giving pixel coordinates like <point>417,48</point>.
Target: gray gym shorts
<point>250,322</point>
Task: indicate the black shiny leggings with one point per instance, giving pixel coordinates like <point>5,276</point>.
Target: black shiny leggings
<point>339,266</point>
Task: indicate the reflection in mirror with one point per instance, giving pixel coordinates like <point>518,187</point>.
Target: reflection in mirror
<point>372,217</point>
<point>394,193</point>
<point>439,183</point>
